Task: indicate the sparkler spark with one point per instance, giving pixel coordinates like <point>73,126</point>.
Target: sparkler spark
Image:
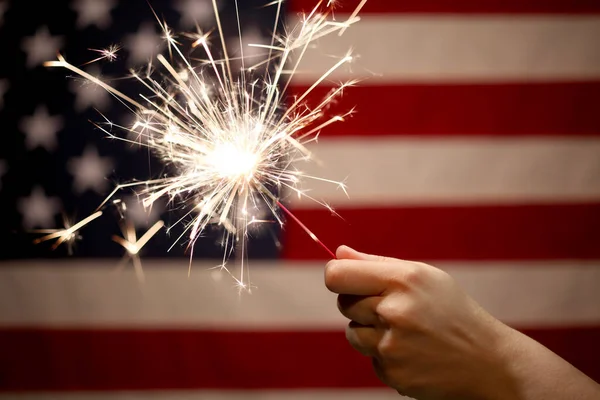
<point>225,137</point>
<point>133,246</point>
<point>67,235</point>
<point>109,54</point>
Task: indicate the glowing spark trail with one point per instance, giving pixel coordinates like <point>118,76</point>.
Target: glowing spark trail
<point>133,246</point>
<point>68,234</point>
<point>228,138</point>
<point>109,54</point>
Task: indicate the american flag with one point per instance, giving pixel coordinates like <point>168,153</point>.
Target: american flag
<point>475,146</point>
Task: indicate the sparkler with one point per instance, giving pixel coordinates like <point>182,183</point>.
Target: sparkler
<point>226,137</point>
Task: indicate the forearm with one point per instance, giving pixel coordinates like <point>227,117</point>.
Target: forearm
<point>536,373</point>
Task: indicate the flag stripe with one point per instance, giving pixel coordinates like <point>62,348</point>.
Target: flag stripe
<point>298,394</point>
<point>459,49</point>
<point>399,171</point>
<point>459,6</point>
<point>544,293</point>
<point>120,359</point>
<point>520,232</point>
<point>168,359</point>
<point>509,109</point>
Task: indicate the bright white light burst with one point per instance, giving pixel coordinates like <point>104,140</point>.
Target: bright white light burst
<point>227,138</point>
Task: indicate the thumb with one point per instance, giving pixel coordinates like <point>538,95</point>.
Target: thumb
<point>345,252</point>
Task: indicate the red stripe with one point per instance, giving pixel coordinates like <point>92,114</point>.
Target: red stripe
<point>459,6</point>
<point>452,233</point>
<point>491,109</point>
<point>98,360</point>
<point>69,360</point>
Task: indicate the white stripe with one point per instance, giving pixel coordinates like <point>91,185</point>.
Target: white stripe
<point>398,171</point>
<point>291,296</point>
<point>459,48</point>
<point>334,394</point>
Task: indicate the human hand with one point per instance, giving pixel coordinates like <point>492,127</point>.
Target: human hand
<point>427,338</point>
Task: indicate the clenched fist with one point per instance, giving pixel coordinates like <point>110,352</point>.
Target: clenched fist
<point>429,340</point>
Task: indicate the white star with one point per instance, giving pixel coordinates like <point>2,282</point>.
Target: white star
<point>196,12</point>
<point>252,54</point>
<point>90,171</point>
<point>88,94</point>
<point>144,44</point>
<point>41,47</point>
<point>93,12</point>
<point>2,171</point>
<point>140,216</point>
<point>41,129</point>
<point>38,210</point>
<point>3,89</point>
<point>3,8</point>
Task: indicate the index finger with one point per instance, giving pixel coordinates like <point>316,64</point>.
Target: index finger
<point>360,277</point>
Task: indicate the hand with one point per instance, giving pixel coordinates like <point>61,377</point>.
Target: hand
<point>429,340</point>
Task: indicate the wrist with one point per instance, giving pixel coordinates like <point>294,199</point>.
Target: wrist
<point>529,371</point>
<point>501,379</point>
<point>510,353</point>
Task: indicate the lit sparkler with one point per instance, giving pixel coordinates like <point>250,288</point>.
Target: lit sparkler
<point>227,137</point>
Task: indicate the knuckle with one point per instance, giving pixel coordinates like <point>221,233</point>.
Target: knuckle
<point>399,311</point>
<point>409,313</point>
<point>413,273</point>
<point>384,350</point>
<point>406,274</point>
<point>385,310</point>
<point>409,317</point>
<point>387,347</point>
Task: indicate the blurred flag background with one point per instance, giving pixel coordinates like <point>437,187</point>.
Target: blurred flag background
<point>475,146</point>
